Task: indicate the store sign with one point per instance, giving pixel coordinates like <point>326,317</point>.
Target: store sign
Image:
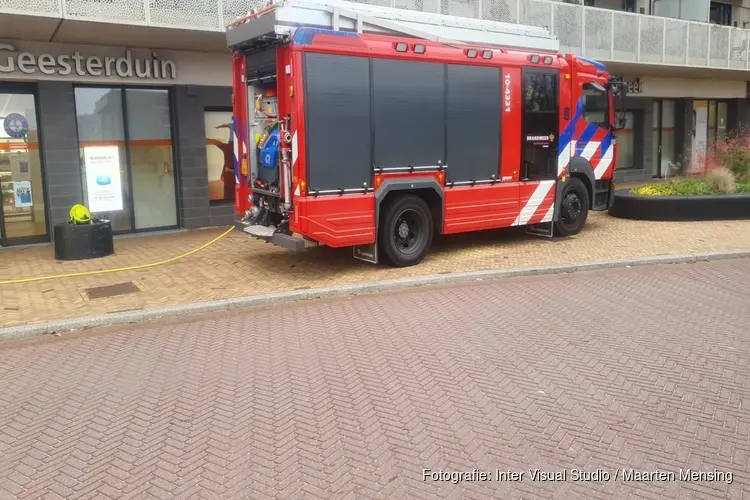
<point>630,86</point>
<point>126,66</point>
<point>103,178</point>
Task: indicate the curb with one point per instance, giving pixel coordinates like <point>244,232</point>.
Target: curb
<point>69,325</point>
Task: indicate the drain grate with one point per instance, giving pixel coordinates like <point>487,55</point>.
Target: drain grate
<point>103,292</point>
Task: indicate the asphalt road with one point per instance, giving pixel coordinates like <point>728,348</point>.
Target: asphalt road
<point>617,378</point>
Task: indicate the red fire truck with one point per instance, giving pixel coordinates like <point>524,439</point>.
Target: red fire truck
<point>377,128</point>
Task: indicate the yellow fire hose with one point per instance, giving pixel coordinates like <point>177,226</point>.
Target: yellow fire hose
<point>107,271</point>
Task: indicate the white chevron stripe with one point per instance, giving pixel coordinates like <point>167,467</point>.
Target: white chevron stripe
<point>548,216</point>
<point>590,149</point>
<point>604,163</point>
<point>532,205</point>
<point>563,159</point>
<point>294,149</point>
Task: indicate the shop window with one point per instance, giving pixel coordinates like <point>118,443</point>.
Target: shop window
<point>22,203</point>
<point>626,143</point>
<point>151,159</point>
<point>220,156</point>
<point>101,138</point>
<point>127,163</point>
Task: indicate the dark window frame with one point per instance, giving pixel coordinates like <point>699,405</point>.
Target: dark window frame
<point>126,137</point>
<point>555,106</point>
<point>635,113</point>
<point>722,11</point>
<point>536,127</point>
<point>33,90</point>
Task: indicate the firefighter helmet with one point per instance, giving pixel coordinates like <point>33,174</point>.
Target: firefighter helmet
<point>79,214</point>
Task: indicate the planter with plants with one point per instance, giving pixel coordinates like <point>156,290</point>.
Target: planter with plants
<point>719,190</point>
<point>82,237</point>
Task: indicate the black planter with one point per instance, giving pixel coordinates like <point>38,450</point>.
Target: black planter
<point>84,241</point>
<point>680,208</point>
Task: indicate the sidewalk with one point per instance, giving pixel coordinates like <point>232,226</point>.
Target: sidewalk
<point>238,266</point>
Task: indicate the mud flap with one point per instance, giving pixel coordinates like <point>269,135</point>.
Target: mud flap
<point>543,229</point>
<point>366,253</point>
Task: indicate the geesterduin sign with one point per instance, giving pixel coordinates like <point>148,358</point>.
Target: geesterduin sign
<point>76,64</point>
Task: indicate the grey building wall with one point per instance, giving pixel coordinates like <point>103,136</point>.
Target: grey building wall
<point>59,144</point>
<point>190,102</point>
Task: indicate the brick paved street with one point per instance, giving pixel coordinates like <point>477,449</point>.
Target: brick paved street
<point>239,266</point>
<point>351,398</point>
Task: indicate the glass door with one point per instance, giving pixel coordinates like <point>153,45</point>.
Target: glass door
<point>663,159</point>
<point>717,122</point>
<point>540,124</point>
<point>22,211</point>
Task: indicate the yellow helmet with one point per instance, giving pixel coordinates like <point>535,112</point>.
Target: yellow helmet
<point>79,214</point>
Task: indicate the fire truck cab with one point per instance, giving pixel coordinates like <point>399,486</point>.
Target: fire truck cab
<point>378,128</point>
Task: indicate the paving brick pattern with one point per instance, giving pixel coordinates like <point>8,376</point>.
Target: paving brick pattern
<point>239,265</point>
<point>351,398</point>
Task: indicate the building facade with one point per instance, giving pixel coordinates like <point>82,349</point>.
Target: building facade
<point>672,123</point>
<point>137,135</point>
<point>130,120</point>
<point>124,106</point>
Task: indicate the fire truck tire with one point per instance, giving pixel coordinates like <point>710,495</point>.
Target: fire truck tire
<point>406,230</point>
<point>574,208</point>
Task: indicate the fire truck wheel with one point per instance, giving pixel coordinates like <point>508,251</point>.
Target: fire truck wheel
<point>406,230</point>
<point>574,208</point>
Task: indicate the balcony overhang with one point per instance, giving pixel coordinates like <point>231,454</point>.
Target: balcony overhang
<point>660,70</point>
<point>57,30</point>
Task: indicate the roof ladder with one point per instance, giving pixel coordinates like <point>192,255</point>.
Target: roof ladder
<point>283,17</point>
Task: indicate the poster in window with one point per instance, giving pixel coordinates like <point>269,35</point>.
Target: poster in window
<point>22,194</point>
<point>103,178</point>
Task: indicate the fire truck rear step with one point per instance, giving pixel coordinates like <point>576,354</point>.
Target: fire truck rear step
<point>260,231</point>
<point>269,235</point>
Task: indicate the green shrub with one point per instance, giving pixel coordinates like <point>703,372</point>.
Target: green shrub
<point>737,160</point>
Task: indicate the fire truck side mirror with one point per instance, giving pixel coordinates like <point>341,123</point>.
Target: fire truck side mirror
<point>621,121</point>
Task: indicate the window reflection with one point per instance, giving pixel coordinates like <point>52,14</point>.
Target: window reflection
<point>151,161</point>
<point>101,138</point>
<point>540,92</point>
<point>220,155</point>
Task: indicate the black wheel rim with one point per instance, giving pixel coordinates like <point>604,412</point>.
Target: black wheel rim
<point>408,232</point>
<point>571,209</point>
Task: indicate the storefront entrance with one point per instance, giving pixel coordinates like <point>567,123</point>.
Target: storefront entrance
<point>22,211</point>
